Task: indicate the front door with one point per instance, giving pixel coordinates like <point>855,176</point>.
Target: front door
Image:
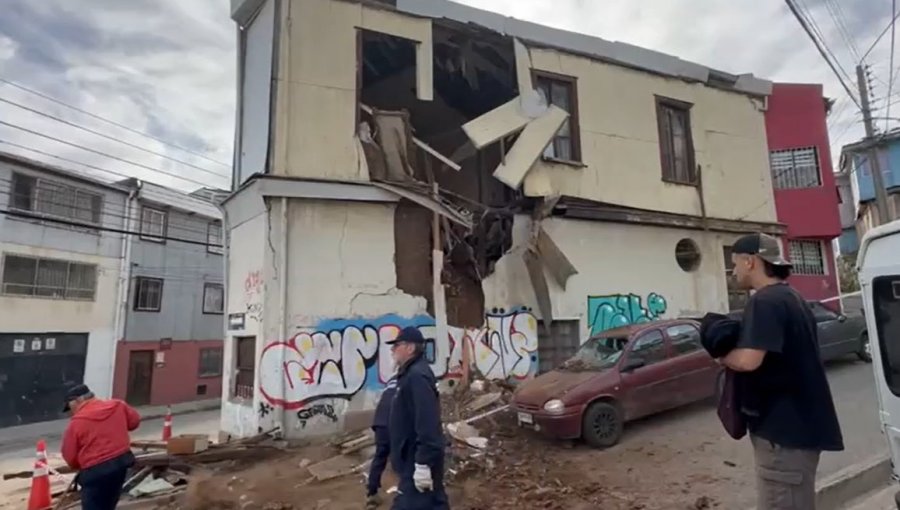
<point>140,377</point>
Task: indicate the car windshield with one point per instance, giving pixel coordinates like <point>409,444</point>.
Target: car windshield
<point>596,354</point>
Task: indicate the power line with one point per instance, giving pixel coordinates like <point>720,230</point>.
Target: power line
<point>837,16</point>
<point>114,123</point>
<point>891,67</point>
<point>24,214</point>
<point>42,135</point>
<point>807,15</point>
<point>114,139</point>
<point>822,49</point>
<point>877,39</point>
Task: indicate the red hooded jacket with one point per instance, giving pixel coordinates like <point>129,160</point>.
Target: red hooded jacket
<point>98,432</point>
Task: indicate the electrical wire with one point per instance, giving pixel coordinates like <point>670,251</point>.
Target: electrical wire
<point>114,139</point>
<point>877,39</point>
<point>891,67</point>
<point>108,121</point>
<point>94,167</point>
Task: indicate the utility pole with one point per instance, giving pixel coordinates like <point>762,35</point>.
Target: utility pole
<point>881,203</point>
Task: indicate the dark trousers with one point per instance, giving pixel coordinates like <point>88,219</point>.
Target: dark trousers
<point>409,498</point>
<point>382,451</point>
<point>101,485</point>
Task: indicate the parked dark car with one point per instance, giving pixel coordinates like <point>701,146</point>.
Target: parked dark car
<point>617,376</point>
<point>841,335</point>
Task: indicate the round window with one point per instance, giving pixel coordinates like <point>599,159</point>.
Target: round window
<point>687,254</point>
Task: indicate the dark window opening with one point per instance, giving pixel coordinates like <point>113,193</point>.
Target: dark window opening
<point>148,294</point>
<point>687,254</point>
<point>676,145</point>
<point>210,362</point>
<point>886,302</point>
<point>213,298</point>
<point>561,91</point>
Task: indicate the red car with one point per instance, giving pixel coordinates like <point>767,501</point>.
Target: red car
<point>617,376</point>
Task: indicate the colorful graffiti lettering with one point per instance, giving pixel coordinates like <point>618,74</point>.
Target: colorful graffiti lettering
<point>326,410</point>
<point>345,356</point>
<point>616,310</point>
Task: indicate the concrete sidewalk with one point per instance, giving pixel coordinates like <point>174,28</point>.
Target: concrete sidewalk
<point>13,437</point>
<point>880,500</point>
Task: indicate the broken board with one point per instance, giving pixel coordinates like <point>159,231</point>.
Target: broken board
<point>529,146</point>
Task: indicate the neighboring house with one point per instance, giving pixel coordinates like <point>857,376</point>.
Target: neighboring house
<point>855,159</point>
<point>849,239</point>
<point>806,196</point>
<point>172,342</point>
<point>59,285</point>
<point>617,203</point>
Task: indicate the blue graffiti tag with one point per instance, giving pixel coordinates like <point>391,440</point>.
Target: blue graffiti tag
<point>616,310</point>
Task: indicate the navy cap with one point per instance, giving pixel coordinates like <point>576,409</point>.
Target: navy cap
<point>77,391</point>
<point>410,334</point>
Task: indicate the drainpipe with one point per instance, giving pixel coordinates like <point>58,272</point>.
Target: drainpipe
<point>227,372</point>
<point>121,317</point>
<point>283,292</point>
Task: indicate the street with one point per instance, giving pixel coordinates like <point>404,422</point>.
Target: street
<point>22,457</point>
<point>678,456</point>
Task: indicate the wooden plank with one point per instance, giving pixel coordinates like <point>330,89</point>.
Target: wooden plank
<point>437,155</point>
<point>496,124</point>
<point>556,261</point>
<point>539,283</point>
<point>529,146</point>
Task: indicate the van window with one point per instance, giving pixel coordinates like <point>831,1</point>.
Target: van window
<point>886,301</point>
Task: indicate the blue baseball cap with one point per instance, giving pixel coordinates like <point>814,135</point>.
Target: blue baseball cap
<point>409,334</point>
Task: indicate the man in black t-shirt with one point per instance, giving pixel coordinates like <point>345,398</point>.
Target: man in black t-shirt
<point>783,390</point>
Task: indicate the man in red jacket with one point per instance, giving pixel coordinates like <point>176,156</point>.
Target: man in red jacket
<point>97,445</point>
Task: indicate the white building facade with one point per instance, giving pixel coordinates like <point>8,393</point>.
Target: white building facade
<point>509,196</point>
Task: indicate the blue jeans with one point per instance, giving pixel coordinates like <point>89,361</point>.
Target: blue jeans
<point>101,485</point>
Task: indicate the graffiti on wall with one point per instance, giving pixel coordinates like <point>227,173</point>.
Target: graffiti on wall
<point>324,410</point>
<point>253,290</point>
<point>616,310</point>
<point>343,357</point>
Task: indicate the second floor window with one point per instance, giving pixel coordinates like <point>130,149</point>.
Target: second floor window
<point>795,168</point>
<point>153,224</point>
<point>213,298</point>
<point>560,91</point>
<point>214,238</point>
<point>53,198</point>
<point>806,256</point>
<point>676,146</point>
<point>49,278</point>
<point>148,294</point>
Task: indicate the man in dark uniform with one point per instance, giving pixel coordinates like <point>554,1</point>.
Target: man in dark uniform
<point>417,439</point>
<point>382,443</point>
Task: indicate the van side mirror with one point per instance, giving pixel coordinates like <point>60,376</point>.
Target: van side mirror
<point>633,363</point>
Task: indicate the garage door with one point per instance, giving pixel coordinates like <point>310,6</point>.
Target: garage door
<point>34,372</point>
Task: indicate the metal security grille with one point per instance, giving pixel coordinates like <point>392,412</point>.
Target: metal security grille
<point>58,279</point>
<point>795,168</point>
<point>807,257</point>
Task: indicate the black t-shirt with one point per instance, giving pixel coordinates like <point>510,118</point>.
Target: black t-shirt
<point>787,400</point>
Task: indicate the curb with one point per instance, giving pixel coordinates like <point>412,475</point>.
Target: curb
<point>836,490</point>
<point>833,492</point>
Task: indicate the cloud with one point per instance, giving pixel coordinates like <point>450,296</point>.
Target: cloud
<point>166,67</point>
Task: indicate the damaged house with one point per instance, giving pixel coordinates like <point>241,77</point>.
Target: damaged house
<point>508,188</point>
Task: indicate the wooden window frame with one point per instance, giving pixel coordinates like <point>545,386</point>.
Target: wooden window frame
<point>667,161</point>
<point>574,125</point>
<point>137,293</point>
<point>206,287</point>
<point>149,236</point>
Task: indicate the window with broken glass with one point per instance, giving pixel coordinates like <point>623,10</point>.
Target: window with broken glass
<point>795,168</point>
<point>49,278</point>
<point>51,198</point>
<point>560,91</point>
<point>676,146</point>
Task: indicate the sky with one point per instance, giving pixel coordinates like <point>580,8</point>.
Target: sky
<point>166,68</point>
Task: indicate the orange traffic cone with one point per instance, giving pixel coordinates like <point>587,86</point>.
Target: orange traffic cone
<point>167,425</point>
<point>39,498</point>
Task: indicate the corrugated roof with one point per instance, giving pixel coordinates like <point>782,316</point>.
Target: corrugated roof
<point>171,198</point>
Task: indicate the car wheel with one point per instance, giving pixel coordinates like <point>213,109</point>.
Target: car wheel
<point>865,350</point>
<point>602,425</point>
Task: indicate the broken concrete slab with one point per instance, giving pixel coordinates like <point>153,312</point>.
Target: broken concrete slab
<point>483,401</point>
<point>150,487</point>
<point>529,146</point>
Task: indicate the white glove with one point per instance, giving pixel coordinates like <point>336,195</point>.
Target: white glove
<point>422,478</point>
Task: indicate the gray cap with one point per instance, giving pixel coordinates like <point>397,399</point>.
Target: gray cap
<point>763,246</point>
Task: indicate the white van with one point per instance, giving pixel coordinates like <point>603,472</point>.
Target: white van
<point>878,264</point>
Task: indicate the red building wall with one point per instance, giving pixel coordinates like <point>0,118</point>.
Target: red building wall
<point>175,380</point>
<point>796,118</point>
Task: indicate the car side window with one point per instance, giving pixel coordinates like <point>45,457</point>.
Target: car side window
<point>685,338</point>
<point>821,313</point>
<point>650,347</point>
